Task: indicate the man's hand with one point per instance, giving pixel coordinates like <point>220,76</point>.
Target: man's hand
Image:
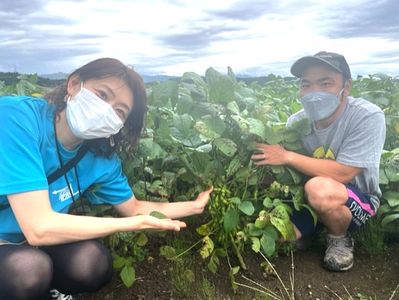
<point>270,155</point>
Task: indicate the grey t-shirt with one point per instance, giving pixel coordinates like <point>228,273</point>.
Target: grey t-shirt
<point>356,138</point>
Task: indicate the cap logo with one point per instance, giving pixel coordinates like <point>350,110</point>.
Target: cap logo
<point>325,56</point>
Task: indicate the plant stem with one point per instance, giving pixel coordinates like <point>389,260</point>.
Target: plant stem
<point>145,181</point>
<point>238,254</point>
<point>394,292</point>
<point>292,276</point>
<point>346,290</point>
<point>258,290</point>
<point>335,294</point>
<point>185,251</point>
<point>278,276</point>
<point>266,289</point>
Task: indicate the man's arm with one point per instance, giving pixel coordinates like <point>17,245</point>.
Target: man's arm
<point>322,167</point>
<point>277,155</point>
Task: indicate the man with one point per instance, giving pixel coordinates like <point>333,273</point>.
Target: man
<point>344,149</point>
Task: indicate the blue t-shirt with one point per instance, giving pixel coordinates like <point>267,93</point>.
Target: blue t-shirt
<point>28,155</point>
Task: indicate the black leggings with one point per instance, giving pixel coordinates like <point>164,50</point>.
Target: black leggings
<point>28,272</point>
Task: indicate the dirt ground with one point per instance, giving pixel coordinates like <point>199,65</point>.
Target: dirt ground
<point>371,278</point>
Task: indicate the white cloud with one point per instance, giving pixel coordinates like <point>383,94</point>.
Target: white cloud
<point>171,37</point>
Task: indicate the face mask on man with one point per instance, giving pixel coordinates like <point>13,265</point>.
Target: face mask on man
<point>90,117</point>
<point>320,105</point>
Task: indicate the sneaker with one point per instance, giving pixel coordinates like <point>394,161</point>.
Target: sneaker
<point>55,294</point>
<point>339,253</point>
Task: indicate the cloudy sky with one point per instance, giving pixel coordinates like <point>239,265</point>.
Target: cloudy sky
<point>255,37</point>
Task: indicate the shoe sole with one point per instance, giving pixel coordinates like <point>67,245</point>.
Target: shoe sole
<point>339,270</point>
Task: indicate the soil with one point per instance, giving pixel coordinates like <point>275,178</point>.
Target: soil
<point>372,277</point>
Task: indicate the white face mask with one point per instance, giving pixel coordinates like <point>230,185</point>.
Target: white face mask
<point>90,117</point>
<point>320,105</point>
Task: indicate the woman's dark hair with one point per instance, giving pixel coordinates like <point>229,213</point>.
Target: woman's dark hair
<point>102,68</point>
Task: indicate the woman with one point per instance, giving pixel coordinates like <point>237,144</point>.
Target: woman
<point>42,247</point>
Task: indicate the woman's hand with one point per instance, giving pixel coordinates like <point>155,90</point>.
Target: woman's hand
<point>173,210</point>
<point>142,222</point>
<point>201,201</point>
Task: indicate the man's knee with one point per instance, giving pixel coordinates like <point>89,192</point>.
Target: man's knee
<point>317,192</point>
<point>324,194</point>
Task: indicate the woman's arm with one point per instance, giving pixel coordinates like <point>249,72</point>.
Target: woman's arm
<point>171,210</point>
<point>42,226</point>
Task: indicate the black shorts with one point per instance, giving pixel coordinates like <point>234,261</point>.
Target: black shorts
<point>360,206</point>
<point>358,203</point>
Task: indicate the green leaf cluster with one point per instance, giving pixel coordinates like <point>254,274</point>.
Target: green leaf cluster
<point>202,130</point>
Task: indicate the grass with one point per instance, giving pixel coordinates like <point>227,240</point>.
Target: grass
<point>182,278</point>
<point>359,296</point>
<point>285,292</point>
<point>371,238</point>
<point>208,290</point>
<point>194,285</point>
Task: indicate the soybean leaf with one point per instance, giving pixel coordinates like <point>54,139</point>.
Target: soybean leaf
<point>392,198</point>
<point>213,263</point>
<point>118,261</point>
<point>150,149</point>
<point>226,146</point>
<point>204,230</point>
<point>141,239</point>
<point>158,215</point>
<point>167,252</point>
<point>230,220</point>
<point>256,127</point>
<point>255,244</point>
<point>184,132</point>
<point>268,245</point>
<point>389,219</point>
<point>221,87</point>
<point>247,208</point>
<point>128,276</point>
<point>207,247</point>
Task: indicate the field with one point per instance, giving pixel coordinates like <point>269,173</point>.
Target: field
<point>372,277</point>
<point>200,131</point>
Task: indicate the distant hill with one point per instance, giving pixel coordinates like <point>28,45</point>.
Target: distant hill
<point>245,78</point>
<point>11,78</point>
<point>54,79</point>
<point>153,78</point>
<point>55,76</point>
<point>146,78</point>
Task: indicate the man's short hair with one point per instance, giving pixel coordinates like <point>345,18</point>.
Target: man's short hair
<point>333,60</point>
